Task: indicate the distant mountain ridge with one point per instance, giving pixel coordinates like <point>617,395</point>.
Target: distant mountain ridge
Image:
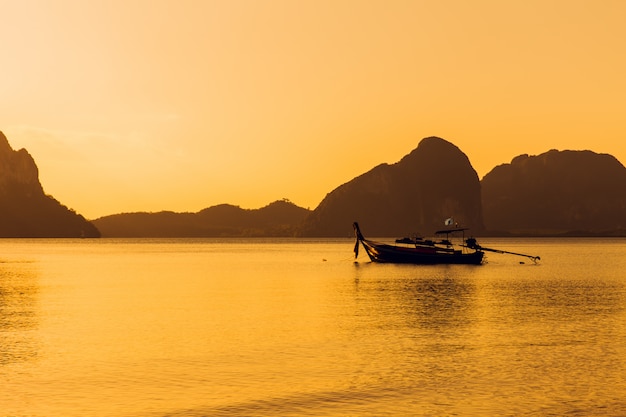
<point>557,193</point>
<point>277,219</point>
<point>25,211</point>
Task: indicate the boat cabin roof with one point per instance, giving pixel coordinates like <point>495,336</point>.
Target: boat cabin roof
<point>446,231</point>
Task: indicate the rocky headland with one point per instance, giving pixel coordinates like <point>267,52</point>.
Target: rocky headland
<point>25,210</point>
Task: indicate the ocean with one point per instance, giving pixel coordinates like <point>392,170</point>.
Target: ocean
<point>297,327</point>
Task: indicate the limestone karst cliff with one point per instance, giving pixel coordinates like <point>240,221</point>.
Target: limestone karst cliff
<point>415,195</point>
<point>557,192</point>
<point>25,210</point>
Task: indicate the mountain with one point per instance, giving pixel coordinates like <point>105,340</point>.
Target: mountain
<point>276,219</point>
<point>415,195</point>
<point>557,192</point>
<point>25,211</point>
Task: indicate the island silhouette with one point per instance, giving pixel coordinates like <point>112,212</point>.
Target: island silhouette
<point>557,193</point>
<point>25,210</point>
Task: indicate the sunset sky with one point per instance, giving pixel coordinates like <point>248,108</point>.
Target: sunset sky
<point>150,105</point>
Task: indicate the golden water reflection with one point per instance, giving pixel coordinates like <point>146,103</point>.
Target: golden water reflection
<point>18,313</point>
<point>227,328</point>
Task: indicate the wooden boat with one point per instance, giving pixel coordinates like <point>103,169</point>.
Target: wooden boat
<point>425,252</point>
<point>418,251</point>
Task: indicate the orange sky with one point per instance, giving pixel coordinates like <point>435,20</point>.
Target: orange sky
<point>149,105</point>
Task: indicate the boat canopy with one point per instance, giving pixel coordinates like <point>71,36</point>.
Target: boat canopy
<point>446,231</point>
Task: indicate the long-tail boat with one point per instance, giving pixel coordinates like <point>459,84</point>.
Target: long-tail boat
<point>424,252</point>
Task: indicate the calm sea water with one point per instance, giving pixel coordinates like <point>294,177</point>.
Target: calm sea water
<point>293,328</point>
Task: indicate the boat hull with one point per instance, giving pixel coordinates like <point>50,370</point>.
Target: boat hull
<point>379,252</point>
